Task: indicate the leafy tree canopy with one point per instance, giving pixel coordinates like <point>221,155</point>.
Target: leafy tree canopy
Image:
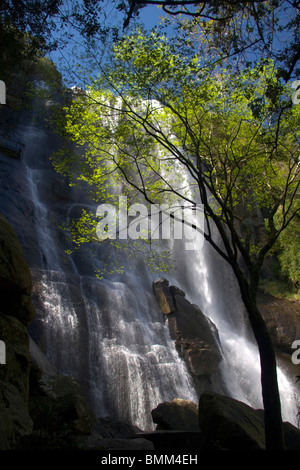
<point>245,31</point>
<point>156,113</point>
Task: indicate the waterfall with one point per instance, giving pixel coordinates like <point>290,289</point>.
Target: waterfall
<point>211,284</point>
<point>131,351</point>
<point>110,333</point>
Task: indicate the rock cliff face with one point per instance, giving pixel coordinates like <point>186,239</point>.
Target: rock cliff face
<point>16,312</point>
<point>101,331</point>
<point>283,319</point>
<point>15,277</point>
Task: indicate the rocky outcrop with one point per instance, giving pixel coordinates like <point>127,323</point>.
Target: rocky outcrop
<point>163,296</point>
<point>60,414</point>
<point>176,415</point>
<point>177,427</point>
<point>195,335</point>
<point>217,423</point>
<point>16,312</point>
<point>11,148</point>
<point>282,317</point>
<point>62,418</point>
<point>230,424</point>
<point>15,277</point>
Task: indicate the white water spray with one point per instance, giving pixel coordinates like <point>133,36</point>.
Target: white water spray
<point>212,285</point>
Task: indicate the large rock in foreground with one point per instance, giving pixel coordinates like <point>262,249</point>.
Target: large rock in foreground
<point>176,415</point>
<point>218,423</point>
<point>230,424</point>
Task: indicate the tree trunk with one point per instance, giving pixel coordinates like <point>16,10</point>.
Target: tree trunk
<point>270,392</point>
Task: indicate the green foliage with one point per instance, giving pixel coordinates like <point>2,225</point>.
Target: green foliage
<point>22,65</point>
<point>288,252</point>
<point>158,123</point>
<point>18,50</point>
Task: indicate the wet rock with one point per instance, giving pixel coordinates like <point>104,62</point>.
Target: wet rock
<point>177,415</point>
<point>163,296</point>
<point>196,337</point>
<point>282,318</point>
<point>11,148</point>
<point>15,277</point>
<point>174,290</point>
<point>40,366</point>
<point>16,311</point>
<point>230,424</point>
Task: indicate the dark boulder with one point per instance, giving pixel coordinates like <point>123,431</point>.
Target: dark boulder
<point>163,295</point>
<point>230,424</point>
<point>176,415</point>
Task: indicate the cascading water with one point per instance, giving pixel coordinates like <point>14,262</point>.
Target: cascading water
<point>110,333</point>
<point>133,360</point>
<point>212,286</point>
<point>210,282</point>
